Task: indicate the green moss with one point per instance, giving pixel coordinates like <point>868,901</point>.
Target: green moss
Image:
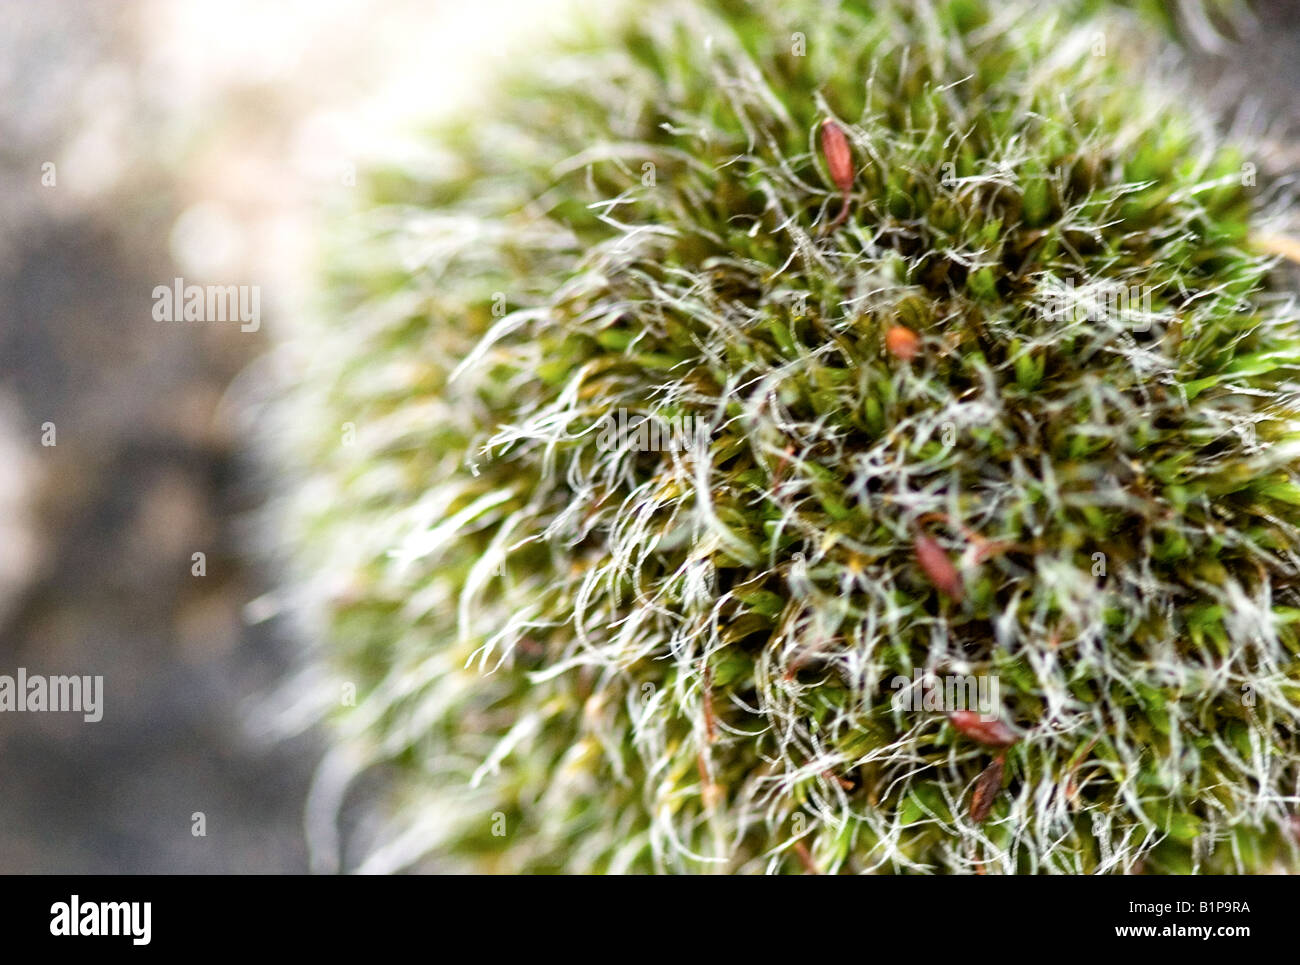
<point>587,657</point>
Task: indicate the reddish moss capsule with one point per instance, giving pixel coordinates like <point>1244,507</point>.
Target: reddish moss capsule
<point>938,568</point>
<point>902,343</point>
<point>994,733</point>
<point>839,161</point>
<point>987,787</point>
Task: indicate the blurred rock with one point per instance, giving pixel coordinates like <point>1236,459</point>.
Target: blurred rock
<point>22,550</point>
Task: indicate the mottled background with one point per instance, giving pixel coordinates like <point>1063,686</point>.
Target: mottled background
<point>206,140</point>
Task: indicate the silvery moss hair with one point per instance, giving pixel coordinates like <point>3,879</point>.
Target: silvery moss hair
<point>752,366</point>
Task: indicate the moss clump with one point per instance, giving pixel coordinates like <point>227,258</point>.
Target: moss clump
<point>1008,398</point>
